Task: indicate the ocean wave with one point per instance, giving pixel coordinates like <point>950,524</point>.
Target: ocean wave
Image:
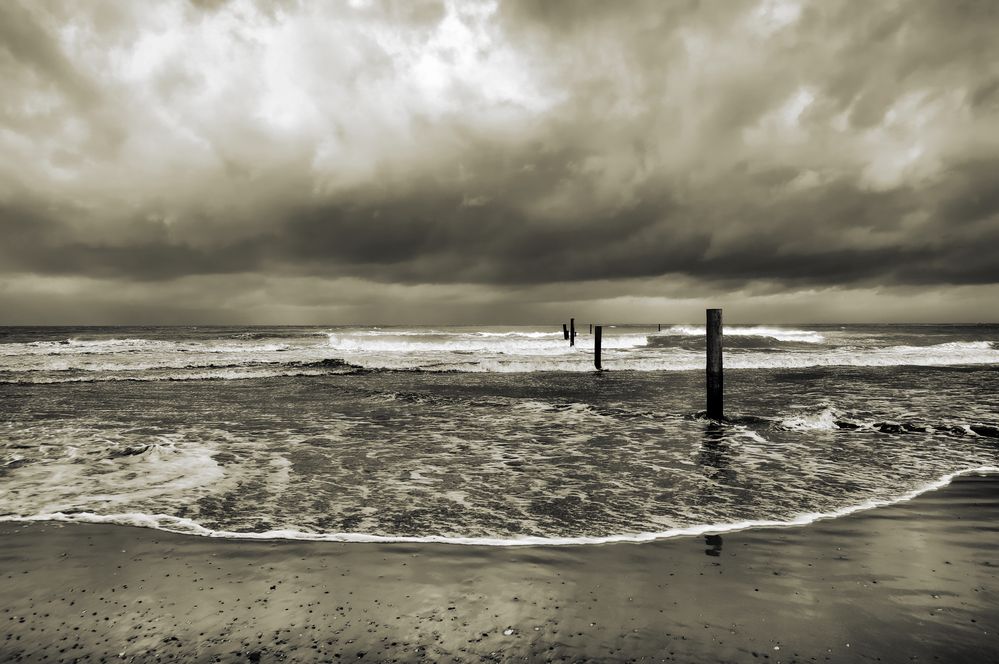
<point>950,346</point>
<point>527,335</point>
<point>824,419</point>
<point>828,418</point>
<point>465,352</point>
<point>392,332</point>
<point>133,345</point>
<point>498,343</point>
<point>580,359</point>
<point>76,346</point>
<point>778,333</point>
<point>78,470</point>
<point>236,372</point>
<point>187,526</point>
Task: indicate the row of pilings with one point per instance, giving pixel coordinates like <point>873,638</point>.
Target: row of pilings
<point>714,378</point>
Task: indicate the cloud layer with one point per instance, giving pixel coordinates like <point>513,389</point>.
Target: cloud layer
<point>409,149</point>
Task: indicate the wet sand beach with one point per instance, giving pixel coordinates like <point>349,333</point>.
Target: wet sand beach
<point>913,581</point>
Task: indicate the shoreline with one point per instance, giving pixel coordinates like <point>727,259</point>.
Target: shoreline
<point>192,528</point>
<point>915,579</point>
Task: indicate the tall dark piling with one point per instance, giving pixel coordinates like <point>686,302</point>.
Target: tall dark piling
<point>572,331</point>
<point>565,331</point>
<point>715,385</point>
<point>597,337</point>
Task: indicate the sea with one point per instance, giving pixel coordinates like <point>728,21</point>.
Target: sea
<point>500,435</point>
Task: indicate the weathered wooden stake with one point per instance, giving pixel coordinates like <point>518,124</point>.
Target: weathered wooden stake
<point>565,331</point>
<point>660,327</point>
<point>572,331</point>
<point>591,328</point>
<point>715,384</point>
<point>596,346</point>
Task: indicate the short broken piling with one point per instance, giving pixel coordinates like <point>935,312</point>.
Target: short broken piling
<point>715,384</point>
<point>597,335</point>
<point>565,331</point>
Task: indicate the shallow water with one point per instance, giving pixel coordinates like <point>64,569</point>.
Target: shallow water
<point>352,433</point>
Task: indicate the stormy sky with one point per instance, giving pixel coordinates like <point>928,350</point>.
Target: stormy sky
<point>427,162</point>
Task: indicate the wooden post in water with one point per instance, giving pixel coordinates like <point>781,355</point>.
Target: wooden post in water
<point>565,332</point>
<point>572,331</point>
<point>660,327</point>
<point>597,335</point>
<point>715,385</point>
<point>591,328</point>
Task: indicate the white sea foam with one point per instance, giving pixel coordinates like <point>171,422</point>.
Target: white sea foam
<point>189,527</point>
<point>119,475</point>
<point>469,357</point>
<point>951,353</point>
<point>529,335</point>
<point>627,355</point>
<point>950,346</point>
<point>823,420</point>
<point>498,343</point>
<point>192,375</point>
<point>74,346</point>
<point>778,333</point>
<point>136,345</point>
<point>395,332</point>
<point>364,344</point>
<point>461,350</point>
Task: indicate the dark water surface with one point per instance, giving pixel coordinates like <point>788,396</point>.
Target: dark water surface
<point>488,435</point>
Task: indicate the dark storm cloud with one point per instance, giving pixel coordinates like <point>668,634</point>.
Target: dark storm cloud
<point>433,237</point>
<point>797,144</point>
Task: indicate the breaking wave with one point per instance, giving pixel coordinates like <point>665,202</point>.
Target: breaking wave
<point>778,333</point>
<point>829,418</point>
<point>506,343</point>
<point>186,526</point>
<point>233,356</point>
<point>115,346</point>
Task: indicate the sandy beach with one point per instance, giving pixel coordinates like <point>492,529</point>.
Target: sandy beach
<point>910,582</point>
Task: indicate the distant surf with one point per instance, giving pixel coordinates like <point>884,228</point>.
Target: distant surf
<point>231,355</point>
<point>777,333</point>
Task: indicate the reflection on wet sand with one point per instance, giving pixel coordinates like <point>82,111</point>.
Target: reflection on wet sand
<point>715,459</point>
<point>715,455</point>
